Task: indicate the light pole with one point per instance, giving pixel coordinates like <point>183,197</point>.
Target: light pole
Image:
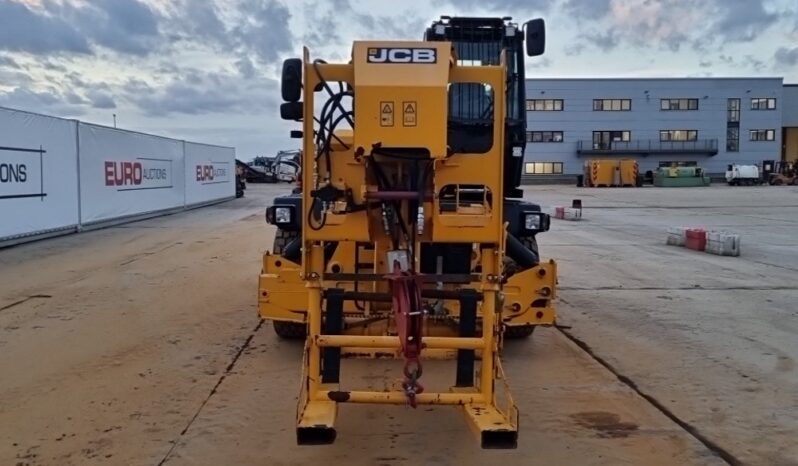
<point>114,120</point>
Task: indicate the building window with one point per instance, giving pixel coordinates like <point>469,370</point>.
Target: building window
<point>543,168</point>
<point>602,140</point>
<point>612,105</point>
<point>544,136</point>
<point>732,139</point>
<point>763,135</point>
<point>678,135</point>
<point>678,104</point>
<point>544,105</point>
<point>762,103</point>
<point>733,111</point>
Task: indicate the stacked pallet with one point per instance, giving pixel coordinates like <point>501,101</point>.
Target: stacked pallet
<point>720,243</point>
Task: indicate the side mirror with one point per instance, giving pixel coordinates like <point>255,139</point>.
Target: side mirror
<point>291,81</point>
<point>535,37</point>
<point>291,111</point>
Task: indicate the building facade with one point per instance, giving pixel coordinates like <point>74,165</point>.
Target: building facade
<point>789,135</point>
<point>712,122</point>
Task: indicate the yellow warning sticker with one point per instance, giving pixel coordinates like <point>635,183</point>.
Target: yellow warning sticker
<point>386,113</point>
<point>409,113</point>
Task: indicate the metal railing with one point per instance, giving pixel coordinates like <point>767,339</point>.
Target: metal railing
<point>648,146</point>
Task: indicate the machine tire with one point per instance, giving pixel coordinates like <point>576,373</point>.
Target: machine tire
<point>281,240</point>
<point>289,330</point>
<point>777,182</point>
<point>518,332</point>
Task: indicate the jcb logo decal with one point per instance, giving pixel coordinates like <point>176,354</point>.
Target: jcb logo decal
<point>401,55</point>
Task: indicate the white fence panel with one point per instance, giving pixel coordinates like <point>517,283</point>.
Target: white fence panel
<point>210,173</point>
<point>38,174</point>
<point>124,173</point>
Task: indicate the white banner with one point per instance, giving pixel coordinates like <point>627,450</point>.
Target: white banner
<point>38,173</point>
<point>210,173</point>
<point>125,173</point>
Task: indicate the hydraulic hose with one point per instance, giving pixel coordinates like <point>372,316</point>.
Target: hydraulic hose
<point>522,255</point>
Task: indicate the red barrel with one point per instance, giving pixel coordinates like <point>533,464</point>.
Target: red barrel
<point>696,238</point>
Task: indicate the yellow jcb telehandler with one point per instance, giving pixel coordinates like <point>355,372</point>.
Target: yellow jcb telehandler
<point>409,237</point>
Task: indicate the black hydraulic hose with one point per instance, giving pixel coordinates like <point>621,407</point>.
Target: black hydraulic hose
<point>329,89</point>
<point>522,255</point>
<point>334,136</point>
<point>293,250</point>
<point>326,118</point>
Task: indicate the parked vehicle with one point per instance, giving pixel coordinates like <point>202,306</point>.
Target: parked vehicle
<point>780,173</point>
<point>748,175</point>
<point>282,167</point>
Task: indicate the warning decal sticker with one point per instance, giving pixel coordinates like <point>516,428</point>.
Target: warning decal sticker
<point>409,113</point>
<point>386,113</point>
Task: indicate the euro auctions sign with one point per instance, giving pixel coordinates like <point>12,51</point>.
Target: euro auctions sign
<point>212,172</point>
<point>21,173</point>
<point>137,174</point>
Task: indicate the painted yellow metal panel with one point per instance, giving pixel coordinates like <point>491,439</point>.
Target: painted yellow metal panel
<point>401,104</point>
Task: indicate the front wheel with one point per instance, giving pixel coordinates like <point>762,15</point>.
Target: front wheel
<point>518,331</point>
<point>289,330</point>
<point>281,239</point>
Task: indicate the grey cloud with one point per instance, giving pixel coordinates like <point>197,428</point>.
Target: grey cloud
<point>606,41</point>
<point>749,61</point>
<point>245,68</point>
<point>14,78</point>
<point>8,62</point>
<point>49,102</point>
<point>76,80</point>
<point>785,56</point>
<point>74,98</point>
<point>504,7</point>
<point>25,30</point>
<point>201,22</point>
<point>202,93</point>
<point>126,26</point>
<point>544,62</point>
<point>325,24</point>
<point>587,9</point>
<point>743,20</point>
<point>100,99</point>
<point>186,99</point>
<point>49,65</point>
<point>135,86</point>
<point>705,64</point>
<point>574,49</point>
<point>264,28</point>
<point>405,25</point>
<point>671,24</point>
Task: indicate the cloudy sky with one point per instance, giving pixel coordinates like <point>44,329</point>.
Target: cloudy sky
<point>207,70</point>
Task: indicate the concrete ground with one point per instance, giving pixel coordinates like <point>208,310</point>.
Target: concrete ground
<point>140,344</point>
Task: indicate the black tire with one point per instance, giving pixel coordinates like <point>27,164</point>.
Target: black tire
<point>281,240</point>
<point>518,332</point>
<point>777,182</point>
<point>289,330</point>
